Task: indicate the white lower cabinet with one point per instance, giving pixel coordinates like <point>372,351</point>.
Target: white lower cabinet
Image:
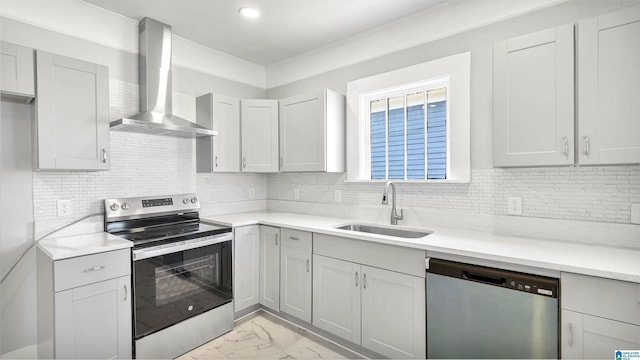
<point>592,337</point>
<point>599,316</point>
<point>270,267</point>
<point>381,310</point>
<point>84,306</point>
<point>295,273</point>
<point>246,267</point>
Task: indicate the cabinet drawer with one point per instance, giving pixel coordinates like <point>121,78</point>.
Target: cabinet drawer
<point>389,257</point>
<point>611,299</point>
<point>296,239</point>
<point>82,270</point>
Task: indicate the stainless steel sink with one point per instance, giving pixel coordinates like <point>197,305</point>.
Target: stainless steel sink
<point>372,229</point>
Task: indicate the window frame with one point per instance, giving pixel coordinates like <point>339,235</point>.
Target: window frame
<point>403,90</point>
<point>458,68</point>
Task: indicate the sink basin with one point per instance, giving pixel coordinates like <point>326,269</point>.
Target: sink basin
<point>372,229</point>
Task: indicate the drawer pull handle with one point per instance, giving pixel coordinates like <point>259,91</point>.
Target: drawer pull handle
<point>570,334</point>
<point>294,238</point>
<point>566,146</point>
<point>93,269</point>
<point>125,293</point>
<point>104,155</point>
<point>364,281</point>
<point>307,265</point>
<point>357,279</point>
<point>587,147</point>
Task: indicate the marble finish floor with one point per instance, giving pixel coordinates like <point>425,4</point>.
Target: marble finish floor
<point>264,336</point>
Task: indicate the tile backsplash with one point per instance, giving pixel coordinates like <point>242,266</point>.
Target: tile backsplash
<point>602,194</point>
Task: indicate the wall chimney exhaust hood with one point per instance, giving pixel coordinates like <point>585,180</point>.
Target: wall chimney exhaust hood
<point>155,77</point>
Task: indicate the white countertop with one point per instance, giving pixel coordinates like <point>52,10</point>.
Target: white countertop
<point>78,245</point>
<point>596,260</point>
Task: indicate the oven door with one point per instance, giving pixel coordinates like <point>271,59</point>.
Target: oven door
<point>176,281</point>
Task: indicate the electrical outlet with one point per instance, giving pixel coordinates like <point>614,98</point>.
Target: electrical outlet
<point>514,205</point>
<point>64,207</point>
<point>337,196</point>
<point>635,213</point>
<point>296,194</point>
<point>252,193</point>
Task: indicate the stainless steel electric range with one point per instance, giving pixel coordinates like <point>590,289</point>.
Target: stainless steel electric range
<point>182,272</point>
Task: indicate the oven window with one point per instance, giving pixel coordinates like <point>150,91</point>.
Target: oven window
<point>174,287</point>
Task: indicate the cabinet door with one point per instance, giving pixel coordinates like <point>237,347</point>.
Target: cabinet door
<point>295,283</point>
<point>72,108</point>
<point>94,321</point>
<point>336,297</point>
<point>609,84</point>
<point>592,337</point>
<point>393,313</point>
<point>259,135</point>
<point>270,267</point>
<point>246,267</point>
<point>533,99</point>
<point>219,153</point>
<point>303,132</point>
<point>16,65</point>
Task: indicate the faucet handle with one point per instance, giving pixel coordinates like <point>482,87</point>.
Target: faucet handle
<point>384,199</point>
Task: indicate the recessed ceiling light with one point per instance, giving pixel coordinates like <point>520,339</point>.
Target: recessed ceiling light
<point>249,12</point>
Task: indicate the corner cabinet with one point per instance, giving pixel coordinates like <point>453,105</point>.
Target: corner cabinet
<point>246,267</point>
<point>17,82</point>
<point>72,114</point>
<point>270,267</point>
<point>259,135</point>
<point>219,153</point>
<point>84,306</point>
<point>599,316</point>
<point>609,84</point>
<point>533,99</point>
<point>312,128</point>
<point>295,273</point>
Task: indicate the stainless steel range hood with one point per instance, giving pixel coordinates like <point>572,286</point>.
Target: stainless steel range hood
<point>154,73</point>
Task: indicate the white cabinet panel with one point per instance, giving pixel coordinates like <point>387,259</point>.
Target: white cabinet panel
<point>393,313</point>
<point>270,267</point>
<point>259,135</point>
<point>295,282</point>
<point>312,132</point>
<point>246,267</point>
<point>219,153</point>
<point>534,99</point>
<point>94,321</point>
<point>16,72</point>
<point>591,337</point>
<point>336,297</point>
<point>72,114</point>
<point>609,84</point>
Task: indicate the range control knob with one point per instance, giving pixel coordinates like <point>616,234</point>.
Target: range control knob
<point>114,207</point>
<point>194,200</point>
<point>125,206</point>
<point>185,201</point>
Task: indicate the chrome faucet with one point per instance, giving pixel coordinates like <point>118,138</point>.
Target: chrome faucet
<point>385,200</point>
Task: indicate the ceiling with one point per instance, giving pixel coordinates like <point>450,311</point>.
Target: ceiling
<point>285,29</point>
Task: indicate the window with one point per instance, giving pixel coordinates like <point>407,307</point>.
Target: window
<point>411,124</point>
<point>408,133</point>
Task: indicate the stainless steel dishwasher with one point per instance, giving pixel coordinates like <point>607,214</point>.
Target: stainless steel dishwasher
<point>476,312</point>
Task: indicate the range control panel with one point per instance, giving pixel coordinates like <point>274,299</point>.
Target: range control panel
<point>137,206</point>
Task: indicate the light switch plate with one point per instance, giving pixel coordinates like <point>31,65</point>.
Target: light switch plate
<point>514,205</point>
<point>635,213</point>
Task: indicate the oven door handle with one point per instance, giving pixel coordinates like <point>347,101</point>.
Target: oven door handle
<point>145,253</point>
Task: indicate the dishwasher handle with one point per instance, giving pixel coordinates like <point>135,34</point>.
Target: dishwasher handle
<point>484,278</point>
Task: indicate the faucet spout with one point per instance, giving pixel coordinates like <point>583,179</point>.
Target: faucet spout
<point>385,200</point>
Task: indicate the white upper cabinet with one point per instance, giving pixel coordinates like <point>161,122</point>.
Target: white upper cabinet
<point>609,85</point>
<point>533,99</point>
<point>259,135</point>
<point>312,131</point>
<point>16,65</point>
<point>72,114</point>
<point>219,153</point>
